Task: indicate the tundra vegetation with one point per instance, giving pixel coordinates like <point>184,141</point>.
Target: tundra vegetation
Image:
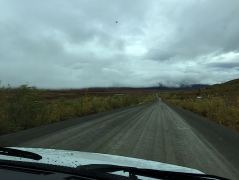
<point>219,102</point>
<point>26,107</point>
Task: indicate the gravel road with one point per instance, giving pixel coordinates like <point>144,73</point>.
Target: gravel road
<point>154,131</point>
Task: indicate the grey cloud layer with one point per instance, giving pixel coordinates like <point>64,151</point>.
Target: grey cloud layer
<point>76,43</point>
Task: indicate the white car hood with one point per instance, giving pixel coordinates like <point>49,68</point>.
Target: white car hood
<point>77,158</point>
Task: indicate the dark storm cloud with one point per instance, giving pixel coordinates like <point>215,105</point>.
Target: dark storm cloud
<point>200,27</point>
<point>224,65</point>
<point>77,43</point>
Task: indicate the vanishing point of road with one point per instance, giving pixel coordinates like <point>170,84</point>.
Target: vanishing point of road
<point>154,131</point>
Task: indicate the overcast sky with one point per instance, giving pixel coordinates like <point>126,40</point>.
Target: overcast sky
<point>78,43</point>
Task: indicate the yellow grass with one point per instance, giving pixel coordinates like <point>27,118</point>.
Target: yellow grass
<point>24,107</point>
<point>216,105</point>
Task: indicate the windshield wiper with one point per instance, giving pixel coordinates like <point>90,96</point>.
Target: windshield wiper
<point>158,174</point>
<point>19,153</point>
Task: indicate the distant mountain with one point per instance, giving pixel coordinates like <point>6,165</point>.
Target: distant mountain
<point>226,88</point>
<point>182,87</point>
<point>195,86</point>
<point>229,85</point>
<point>232,82</point>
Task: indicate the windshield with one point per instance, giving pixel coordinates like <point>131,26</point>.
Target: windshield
<point>155,80</point>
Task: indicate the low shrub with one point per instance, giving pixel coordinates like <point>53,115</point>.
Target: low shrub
<point>24,107</point>
<point>221,109</point>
